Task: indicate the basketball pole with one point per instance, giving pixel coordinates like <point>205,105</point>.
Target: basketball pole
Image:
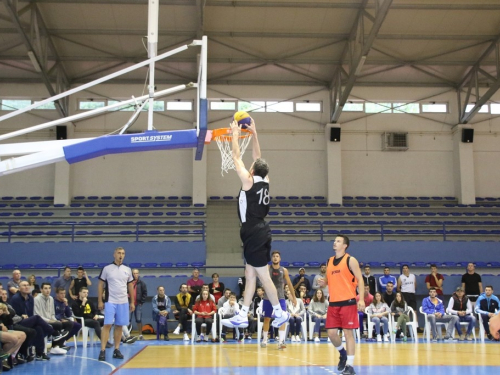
<point>153,11</point>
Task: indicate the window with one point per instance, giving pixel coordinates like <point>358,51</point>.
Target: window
<point>406,107</point>
<point>354,107</point>
<point>223,105</point>
<point>484,108</point>
<point>45,106</point>
<point>308,106</point>
<point>252,106</point>
<point>157,106</point>
<point>179,105</point>
<point>495,108</point>
<point>88,104</point>
<point>279,106</point>
<point>434,108</point>
<point>378,108</point>
<point>14,104</point>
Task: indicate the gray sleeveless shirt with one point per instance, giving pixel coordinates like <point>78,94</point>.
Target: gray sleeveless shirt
<point>278,278</point>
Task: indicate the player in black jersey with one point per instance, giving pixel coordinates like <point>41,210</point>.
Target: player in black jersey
<point>253,207</point>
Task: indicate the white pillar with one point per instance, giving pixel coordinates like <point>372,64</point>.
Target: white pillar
<point>333,167</point>
<point>200,178</point>
<point>463,168</point>
<point>62,179</point>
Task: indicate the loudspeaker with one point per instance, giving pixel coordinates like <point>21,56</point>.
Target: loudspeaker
<point>334,134</point>
<point>467,135</point>
<point>61,132</point>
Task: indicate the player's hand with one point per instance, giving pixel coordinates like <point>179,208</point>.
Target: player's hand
<point>361,305</point>
<point>251,128</point>
<point>235,128</point>
<point>495,326</point>
<point>100,305</point>
<point>131,307</point>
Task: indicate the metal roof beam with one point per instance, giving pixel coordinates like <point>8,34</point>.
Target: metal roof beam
<point>356,52</point>
<point>38,45</point>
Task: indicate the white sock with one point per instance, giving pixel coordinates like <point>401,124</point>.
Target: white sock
<point>339,348</point>
<point>264,336</point>
<point>277,310</point>
<point>350,360</point>
<point>244,311</point>
<point>282,335</point>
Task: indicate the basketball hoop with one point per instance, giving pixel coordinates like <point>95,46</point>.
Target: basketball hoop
<point>224,139</point>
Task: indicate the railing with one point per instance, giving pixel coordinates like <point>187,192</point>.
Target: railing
<point>75,230</point>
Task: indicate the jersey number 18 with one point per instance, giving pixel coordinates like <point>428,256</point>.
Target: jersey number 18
<point>263,196</point>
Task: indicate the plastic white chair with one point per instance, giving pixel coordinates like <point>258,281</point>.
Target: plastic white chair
<point>413,324</point>
<point>85,331</point>
<point>303,327</point>
<point>194,334</point>
<point>370,326</point>
<point>482,332</point>
<point>466,325</point>
<point>427,326</point>
<point>236,329</point>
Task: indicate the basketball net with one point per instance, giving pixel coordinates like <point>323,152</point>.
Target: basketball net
<point>224,140</point>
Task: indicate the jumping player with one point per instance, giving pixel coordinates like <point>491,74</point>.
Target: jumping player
<point>279,275</point>
<point>343,275</point>
<point>255,233</point>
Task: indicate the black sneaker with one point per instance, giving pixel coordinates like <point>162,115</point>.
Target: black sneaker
<point>342,362</point>
<point>42,357</point>
<point>166,338</point>
<point>102,355</point>
<point>349,370</point>
<point>117,354</point>
<point>130,340</point>
<point>59,335</point>
<point>67,348</point>
<point>20,359</point>
<point>490,336</point>
<point>30,358</point>
<point>109,345</point>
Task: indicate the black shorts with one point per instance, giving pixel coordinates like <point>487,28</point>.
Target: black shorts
<point>256,238</point>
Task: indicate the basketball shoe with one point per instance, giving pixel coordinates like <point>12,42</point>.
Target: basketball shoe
<point>239,321</point>
<point>278,322</point>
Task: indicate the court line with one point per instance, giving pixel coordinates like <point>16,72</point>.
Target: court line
<point>230,365</point>
<point>93,359</point>
<point>128,360</point>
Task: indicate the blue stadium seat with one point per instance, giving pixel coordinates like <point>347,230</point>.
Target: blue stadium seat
<point>419,264</point>
<point>198,264</point>
<point>298,264</point>
<point>135,265</point>
<point>88,265</point>
<point>25,266</point>
<point>166,265</point>
<point>390,264</point>
<point>374,264</point>
<point>150,265</point>
<point>181,264</point>
<point>313,264</point>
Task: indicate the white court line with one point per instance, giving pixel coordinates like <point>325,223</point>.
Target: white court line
<point>93,359</point>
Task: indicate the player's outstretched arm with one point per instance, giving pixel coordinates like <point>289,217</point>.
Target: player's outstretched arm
<point>256,154</point>
<point>245,177</point>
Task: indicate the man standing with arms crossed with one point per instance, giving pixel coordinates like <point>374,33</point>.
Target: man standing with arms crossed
<point>255,233</point>
<point>343,275</point>
<point>117,279</point>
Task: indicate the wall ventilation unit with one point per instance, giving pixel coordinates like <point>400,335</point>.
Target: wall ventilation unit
<point>394,141</point>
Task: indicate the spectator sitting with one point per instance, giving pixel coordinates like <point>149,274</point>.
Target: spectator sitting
<point>301,279</point>
<point>203,288</point>
<point>32,283</point>
<point>472,283</point>
<point>400,311</point>
<point>79,282</point>
<point>216,288</point>
<point>384,279</point>
<point>229,309</point>
<point>13,284</point>
<point>10,320</point>
<point>64,281</point>
<point>389,294</point>
<point>370,279</point>
<point>297,314</point>
<point>23,304</point>
<point>379,312</point>
<point>224,298</point>
<point>141,293</point>
<point>63,313</point>
<point>368,298</point>
<point>194,284</point>
<point>184,309</point>
<point>433,307</point>
<point>85,309</point>
<point>11,341</point>
<point>407,284</point>
<point>321,275</point>
<point>461,306</point>
<point>161,309</point>
<point>317,310</point>
<point>486,306</point>
<point>302,293</point>
<point>435,280</point>
<point>204,310</point>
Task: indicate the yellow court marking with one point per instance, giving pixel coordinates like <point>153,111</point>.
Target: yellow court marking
<point>251,355</point>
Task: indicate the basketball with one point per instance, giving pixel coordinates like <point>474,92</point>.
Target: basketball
<point>243,119</point>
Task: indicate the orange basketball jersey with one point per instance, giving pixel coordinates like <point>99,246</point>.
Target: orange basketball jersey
<point>341,282</point>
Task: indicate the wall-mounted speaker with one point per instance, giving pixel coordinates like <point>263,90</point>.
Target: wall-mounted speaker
<point>61,132</point>
<point>467,135</point>
<point>334,134</point>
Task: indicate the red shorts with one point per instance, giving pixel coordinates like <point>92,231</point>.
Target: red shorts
<point>342,317</point>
